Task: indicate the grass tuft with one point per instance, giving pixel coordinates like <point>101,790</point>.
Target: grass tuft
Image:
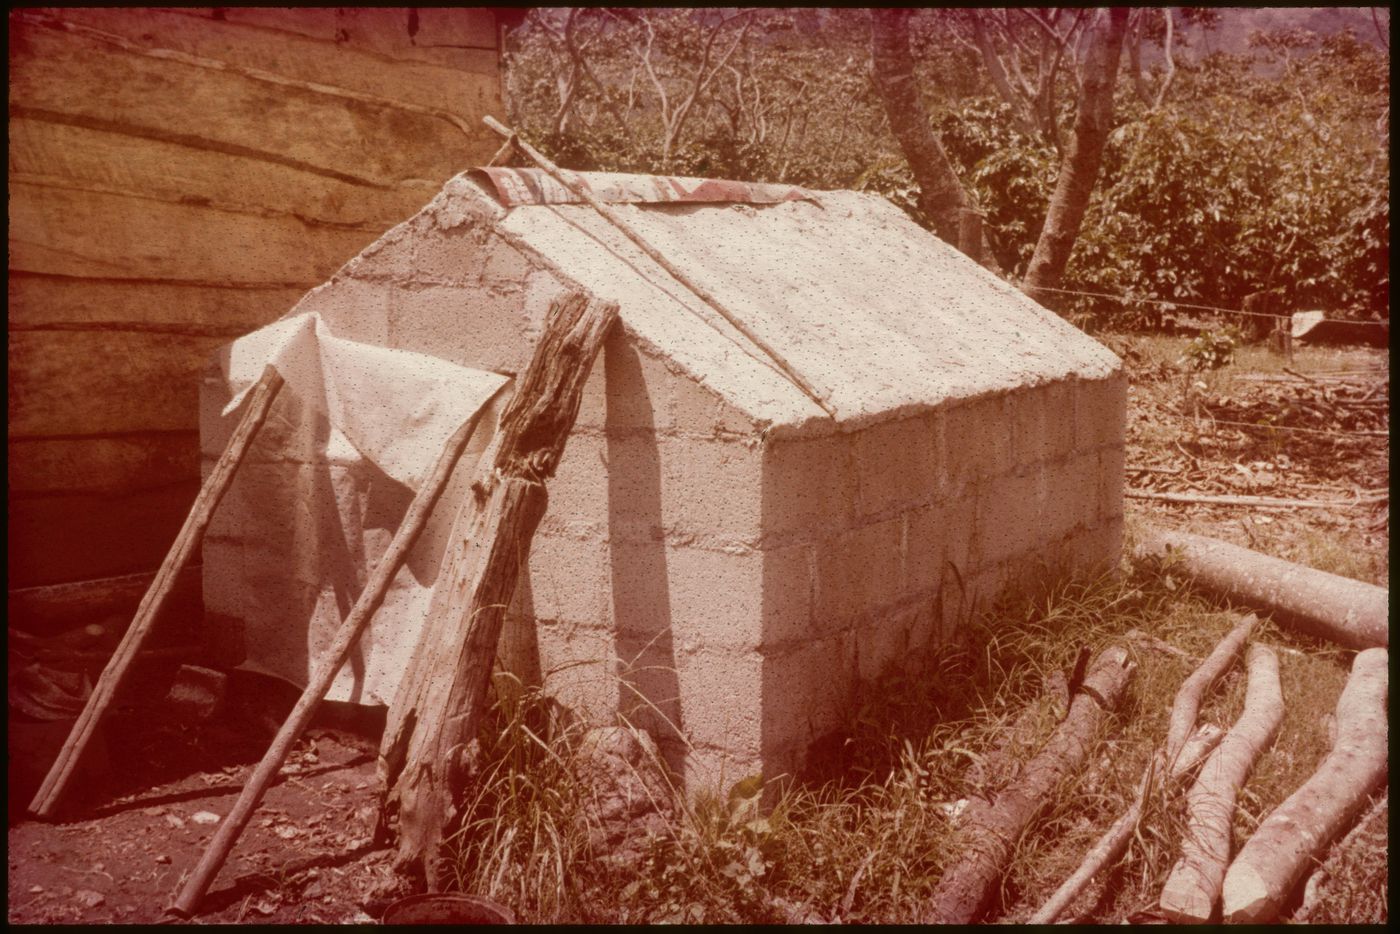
<point>865,833</point>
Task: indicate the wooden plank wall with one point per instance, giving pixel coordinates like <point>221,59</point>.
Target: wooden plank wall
<point>179,177</point>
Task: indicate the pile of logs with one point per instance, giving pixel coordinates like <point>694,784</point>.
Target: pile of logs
<point>1207,882</point>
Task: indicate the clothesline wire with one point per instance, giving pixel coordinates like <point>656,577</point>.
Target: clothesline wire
<point>1130,300</point>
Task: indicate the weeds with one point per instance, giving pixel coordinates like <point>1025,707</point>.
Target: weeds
<point>866,833</point>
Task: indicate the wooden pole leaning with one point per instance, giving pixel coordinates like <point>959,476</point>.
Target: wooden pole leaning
<point>346,636</point>
<point>704,294</point>
<point>264,393</point>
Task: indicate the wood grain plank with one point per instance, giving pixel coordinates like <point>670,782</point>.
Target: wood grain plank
<point>57,539</point>
<point>349,63</point>
<point>64,73</point>
<point>80,233</point>
<point>41,302</point>
<point>111,465</point>
<point>79,383</point>
<point>88,158</point>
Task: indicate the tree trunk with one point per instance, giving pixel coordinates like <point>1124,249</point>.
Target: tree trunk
<point>992,830</point>
<point>436,712</point>
<point>941,195</point>
<point>1193,887</point>
<point>1283,847</point>
<point>1328,606</point>
<point>1092,123</point>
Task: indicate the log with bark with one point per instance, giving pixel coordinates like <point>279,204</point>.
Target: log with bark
<point>991,829</point>
<point>1193,888</point>
<point>1345,611</point>
<point>1274,859</point>
<point>1181,752</point>
<point>438,707</point>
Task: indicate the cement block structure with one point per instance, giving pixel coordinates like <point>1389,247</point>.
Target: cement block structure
<point>722,563</point>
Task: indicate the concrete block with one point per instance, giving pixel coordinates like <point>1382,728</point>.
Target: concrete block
<point>565,579</point>
<point>1073,495</point>
<point>808,487</point>
<point>580,486</point>
<point>626,388</point>
<point>807,691</point>
<point>715,598</point>
<point>390,258</point>
<point>1111,472</point>
<point>926,532</point>
<point>858,570</point>
<point>977,438</point>
<point>1042,423</point>
<point>883,641</point>
<point>452,257</point>
<point>472,327</point>
<point>354,309</point>
<point>1009,513</point>
<point>579,667</point>
<point>503,266</point>
<point>709,487</point>
<point>1097,549</point>
<point>1100,412</point>
<point>898,464</point>
<point>789,594</point>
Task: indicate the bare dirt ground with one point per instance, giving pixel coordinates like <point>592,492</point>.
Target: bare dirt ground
<point>140,820</point>
<point>141,823</point>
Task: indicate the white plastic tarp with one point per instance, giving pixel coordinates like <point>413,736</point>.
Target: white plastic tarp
<point>397,409</point>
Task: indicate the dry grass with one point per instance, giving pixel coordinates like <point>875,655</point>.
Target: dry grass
<point>866,835</point>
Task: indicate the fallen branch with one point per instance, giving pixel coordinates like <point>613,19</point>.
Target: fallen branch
<point>992,829</point>
<point>1282,848</point>
<point>1345,611</point>
<point>1193,887</point>
<point>1260,502</point>
<point>1174,756</point>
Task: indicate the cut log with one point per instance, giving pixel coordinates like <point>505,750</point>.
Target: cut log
<point>1272,861</point>
<point>191,534</point>
<point>1351,613</point>
<point>366,605</point>
<point>1371,832</point>
<point>438,707</point>
<point>1187,702</point>
<point>1193,888</point>
<point>1179,753</point>
<point>992,829</point>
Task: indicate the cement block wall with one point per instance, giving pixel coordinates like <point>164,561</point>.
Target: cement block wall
<point>725,590</point>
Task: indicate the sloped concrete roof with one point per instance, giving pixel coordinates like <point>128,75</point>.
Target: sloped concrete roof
<point>882,317</point>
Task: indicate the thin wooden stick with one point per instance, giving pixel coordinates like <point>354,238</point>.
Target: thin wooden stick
<point>1267,502</point>
<point>346,636</point>
<point>191,534</point>
<point>705,295</point>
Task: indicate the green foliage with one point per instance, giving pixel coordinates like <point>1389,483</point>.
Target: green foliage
<point>1212,350</point>
<point>1263,170</point>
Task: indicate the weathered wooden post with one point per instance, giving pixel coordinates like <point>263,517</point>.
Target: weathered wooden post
<point>435,714</point>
